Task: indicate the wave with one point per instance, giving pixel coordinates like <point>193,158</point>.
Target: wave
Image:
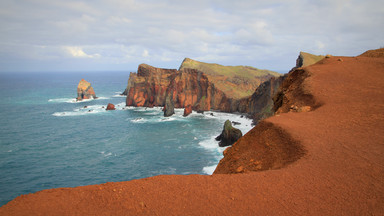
<point>86,110</point>
<point>73,100</point>
<point>119,95</point>
<point>209,169</point>
<point>210,144</point>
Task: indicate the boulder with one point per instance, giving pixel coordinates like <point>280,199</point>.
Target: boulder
<point>229,135</point>
<point>110,107</point>
<point>187,110</point>
<point>85,91</point>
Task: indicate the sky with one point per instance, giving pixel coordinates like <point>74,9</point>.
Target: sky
<point>118,35</point>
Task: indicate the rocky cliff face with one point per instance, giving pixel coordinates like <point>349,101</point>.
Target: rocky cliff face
<point>152,86</point>
<point>148,87</point>
<point>260,105</point>
<point>85,90</point>
<point>206,86</point>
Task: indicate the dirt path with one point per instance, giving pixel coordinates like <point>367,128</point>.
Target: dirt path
<point>342,172</point>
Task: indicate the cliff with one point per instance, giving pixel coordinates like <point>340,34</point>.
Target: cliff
<point>234,81</point>
<point>204,86</point>
<point>328,161</point>
<point>260,104</point>
<point>151,86</point>
<point>85,90</point>
<point>148,87</point>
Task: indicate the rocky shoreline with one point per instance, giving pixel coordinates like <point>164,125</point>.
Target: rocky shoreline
<point>321,155</point>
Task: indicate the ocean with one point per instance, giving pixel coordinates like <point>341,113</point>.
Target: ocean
<point>48,140</point>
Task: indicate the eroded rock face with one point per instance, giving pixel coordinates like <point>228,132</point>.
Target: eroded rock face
<point>229,135</point>
<point>260,105</point>
<point>148,87</point>
<point>187,110</point>
<point>151,86</point>
<point>85,90</point>
<point>110,107</point>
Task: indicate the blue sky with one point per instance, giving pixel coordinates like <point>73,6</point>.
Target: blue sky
<point>108,35</point>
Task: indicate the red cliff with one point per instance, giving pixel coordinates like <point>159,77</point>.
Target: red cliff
<point>151,86</point>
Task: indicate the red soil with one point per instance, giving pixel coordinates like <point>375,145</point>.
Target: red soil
<point>341,172</point>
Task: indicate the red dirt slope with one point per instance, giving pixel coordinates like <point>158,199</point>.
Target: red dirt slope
<point>341,173</point>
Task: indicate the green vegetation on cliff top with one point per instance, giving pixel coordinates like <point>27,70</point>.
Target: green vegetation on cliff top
<point>235,81</point>
<point>228,71</point>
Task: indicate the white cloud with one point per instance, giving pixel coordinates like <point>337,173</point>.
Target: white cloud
<point>78,52</point>
<point>266,34</point>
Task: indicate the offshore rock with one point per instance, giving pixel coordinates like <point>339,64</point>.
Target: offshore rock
<point>229,135</point>
<point>187,110</point>
<point>85,91</point>
<point>169,108</point>
<point>110,107</point>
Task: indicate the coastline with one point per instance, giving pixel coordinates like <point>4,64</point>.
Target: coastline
<point>341,173</point>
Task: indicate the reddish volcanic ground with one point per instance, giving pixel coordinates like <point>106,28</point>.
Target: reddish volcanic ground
<point>338,168</point>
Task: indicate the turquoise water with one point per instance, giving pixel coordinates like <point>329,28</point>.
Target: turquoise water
<point>48,140</point>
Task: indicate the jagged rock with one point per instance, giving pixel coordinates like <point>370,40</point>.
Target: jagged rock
<point>85,90</point>
<point>187,110</point>
<point>260,105</point>
<point>229,135</point>
<point>236,123</point>
<point>110,107</point>
<point>169,107</point>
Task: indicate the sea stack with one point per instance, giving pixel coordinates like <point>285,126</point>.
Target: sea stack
<point>187,110</point>
<point>85,91</point>
<point>169,108</point>
<point>229,135</point>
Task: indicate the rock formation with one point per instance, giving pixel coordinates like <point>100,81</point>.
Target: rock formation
<point>187,110</point>
<point>205,86</point>
<point>229,135</point>
<point>85,90</point>
<point>260,105</point>
<point>110,107</point>
<point>306,59</point>
<point>151,86</point>
<point>148,86</point>
<point>169,107</point>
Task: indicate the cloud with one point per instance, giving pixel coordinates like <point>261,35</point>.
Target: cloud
<point>78,52</point>
<point>124,33</point>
